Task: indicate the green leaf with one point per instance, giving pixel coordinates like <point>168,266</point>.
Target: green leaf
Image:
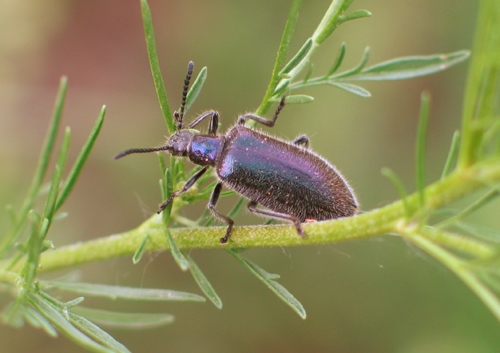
<point>280,88</point>
<point>357,69</point>
<point>80,160</point>
<point>121,292</point>
<point>155,66</point>
<point>28,271</point>
<point>195,89</point>
<point>46,245</point>
<point>73,302</point>
<point>163,166</point>
<point>355,15</point>
<point>452,155</point>
<point>399,187</point>
<point>299,99</point>
<point>203,283</point>
<point>121,320</point>
<point>41,169</point>
<point>309,72</point>
<point>167,190</point>
<point>338,61</point>
<point>479,231</point>
<point>63,325</point>
<point>38,321</point>
<point>140,250</point>
<point>491,132</point>
<point>96,333</point>
<point>410,67</point>
<point>295,99</point>
<point>487,197</point>
<point>421,146</point>
<point>50,203</point>
<point>298,57</point>
<point>176,252</point>
<point>351,88</point>
<point>269,281</point>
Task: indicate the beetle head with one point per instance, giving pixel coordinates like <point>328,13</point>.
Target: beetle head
<point>178,143</point>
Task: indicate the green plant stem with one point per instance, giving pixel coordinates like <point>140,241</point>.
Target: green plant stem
<point>327,25</point>
<point>482,81</point>
<point>379,221</point>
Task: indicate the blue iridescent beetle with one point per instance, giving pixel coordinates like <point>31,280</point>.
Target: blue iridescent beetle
<point>287,178</point>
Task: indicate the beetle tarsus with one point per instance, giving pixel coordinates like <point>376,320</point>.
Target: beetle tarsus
<point>226,237</point>
<point>300,231</point>
<point>164,205</point>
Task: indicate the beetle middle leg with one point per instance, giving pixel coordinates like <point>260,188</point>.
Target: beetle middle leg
<point>225,219</point>
<point>259,119</point>
<point>185,188</point>
<point>296,221</point>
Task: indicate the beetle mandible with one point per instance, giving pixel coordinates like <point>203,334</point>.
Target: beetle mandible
<point>287,178</point>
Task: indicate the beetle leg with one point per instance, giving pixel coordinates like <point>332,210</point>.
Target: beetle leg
<point>188,184</point>
<point>211,206</point>
<point>296,221</point>
<point>212,126</point>
<point>259,119</point>
<point>301,140</point>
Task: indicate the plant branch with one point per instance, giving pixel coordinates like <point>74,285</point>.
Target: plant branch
<point>379,221</point>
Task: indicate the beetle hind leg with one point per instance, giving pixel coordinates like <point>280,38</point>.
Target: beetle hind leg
<point>296,221</point>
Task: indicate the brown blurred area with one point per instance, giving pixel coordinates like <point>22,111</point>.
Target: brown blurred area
<point>372,295</point>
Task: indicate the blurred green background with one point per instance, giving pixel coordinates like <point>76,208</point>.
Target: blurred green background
<point>371,295</point>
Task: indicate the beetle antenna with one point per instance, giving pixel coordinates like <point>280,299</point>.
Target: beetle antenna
<point>141,150</point>
<point>178,116</point>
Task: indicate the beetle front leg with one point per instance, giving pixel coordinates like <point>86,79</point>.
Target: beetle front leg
<point>186,187</point>
<point>212,126</point>
<point>242,119</point>
<point>227,220</point>
<point>296,221</point>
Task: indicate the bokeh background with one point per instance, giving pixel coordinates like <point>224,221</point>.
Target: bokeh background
<point>370,295</point>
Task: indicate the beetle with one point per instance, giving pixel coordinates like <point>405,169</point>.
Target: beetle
<point>287,178</point>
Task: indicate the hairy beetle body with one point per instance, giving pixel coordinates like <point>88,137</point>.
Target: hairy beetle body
<point>292,182</point>
<point>283,177</point>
